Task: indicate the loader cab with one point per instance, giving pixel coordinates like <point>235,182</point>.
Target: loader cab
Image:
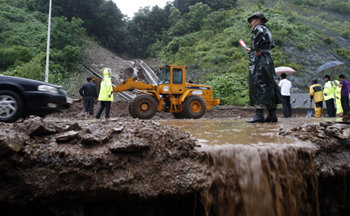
<point>164,76</point>
<point>172,78</point>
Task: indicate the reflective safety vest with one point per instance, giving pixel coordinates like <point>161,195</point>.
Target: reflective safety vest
<point>316,92</point>
<point>338,97</point>
<point>337,91</point>
<point>328,91</point>
<point>106,89</point>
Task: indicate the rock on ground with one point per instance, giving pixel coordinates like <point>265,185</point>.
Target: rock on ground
<point>46,160</point>
<point>332,162</point>
<point>68,163</point>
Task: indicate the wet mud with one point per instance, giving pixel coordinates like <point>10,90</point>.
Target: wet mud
<point>120,109</point>
<point>58,163</point>
<point>331,161</point>
<point>65,165</point>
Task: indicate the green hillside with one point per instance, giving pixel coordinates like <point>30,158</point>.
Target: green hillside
<point>200,34</point>
<point>23,37</point>
<point>306,37</point>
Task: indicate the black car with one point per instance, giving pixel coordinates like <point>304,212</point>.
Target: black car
<point>20,97</point>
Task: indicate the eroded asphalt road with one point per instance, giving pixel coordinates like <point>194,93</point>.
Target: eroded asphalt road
<point>66,157</point>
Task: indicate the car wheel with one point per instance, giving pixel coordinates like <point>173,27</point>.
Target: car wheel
<point>11,106</point>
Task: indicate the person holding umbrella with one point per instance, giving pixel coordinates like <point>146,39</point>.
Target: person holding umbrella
<point>263,89</point>
<point>344,84</point>
<point>317,96</point>
<point>285,86</point>
<point>328,93</point>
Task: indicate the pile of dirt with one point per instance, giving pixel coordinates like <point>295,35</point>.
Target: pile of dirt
<point>45,160</point>
<point>83,166</point>
<point>76,111</point>
<point>98,57</point>
<point>333,142</point>
<point>332,162</point>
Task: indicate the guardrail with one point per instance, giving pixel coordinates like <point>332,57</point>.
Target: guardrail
<point>151,77</point>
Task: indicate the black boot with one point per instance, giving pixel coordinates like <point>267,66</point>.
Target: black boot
<point>271,117</point>
<point>259,117</point>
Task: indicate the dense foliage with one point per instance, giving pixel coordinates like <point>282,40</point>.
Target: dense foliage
<point>102,19</point>
<point>206,41</point>
<point>201,34</point>
<point>151,25</point>
<point>23,43</point>
<point>146,28</point>
<point>341,6</point>
<point>184,5</point>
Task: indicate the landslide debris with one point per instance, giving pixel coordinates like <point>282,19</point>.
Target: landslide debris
<point>333,142</point>
<point>86,167</point>
<point>98,57</point>
<point>332,162</point>
<point>121,109</point>
<point>45,160</point>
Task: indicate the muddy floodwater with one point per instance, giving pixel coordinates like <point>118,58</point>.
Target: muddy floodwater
<point>204,167</point>
<point>221,132</point>
<point>254,169</point>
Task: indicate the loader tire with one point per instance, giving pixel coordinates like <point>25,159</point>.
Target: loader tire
<point>131,110</point>
<point>143,107</point>
<point>179,115</point>
<point>194,107</point>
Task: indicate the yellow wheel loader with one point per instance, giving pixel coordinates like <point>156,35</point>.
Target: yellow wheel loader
<point>172,94</point>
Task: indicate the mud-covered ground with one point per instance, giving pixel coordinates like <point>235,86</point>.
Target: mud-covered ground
<point>333,145</point>
<point>120,109</point>
<point>62,161</point>
<point>332,162</point>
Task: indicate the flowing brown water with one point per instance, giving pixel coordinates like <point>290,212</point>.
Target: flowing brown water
<point>261,180</point>
<point>253,170</point>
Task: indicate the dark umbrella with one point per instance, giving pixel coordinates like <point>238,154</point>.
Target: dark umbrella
<point>329,65</point>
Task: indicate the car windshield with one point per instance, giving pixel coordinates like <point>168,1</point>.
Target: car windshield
<point>164,76</point>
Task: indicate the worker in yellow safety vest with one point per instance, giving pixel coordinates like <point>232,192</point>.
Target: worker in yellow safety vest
<point>328,94</point>
<point>316,95</point>
<point>106,94</point>
<point>337,99</point>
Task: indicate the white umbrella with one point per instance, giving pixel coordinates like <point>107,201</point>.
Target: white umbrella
<point>284,69</point>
